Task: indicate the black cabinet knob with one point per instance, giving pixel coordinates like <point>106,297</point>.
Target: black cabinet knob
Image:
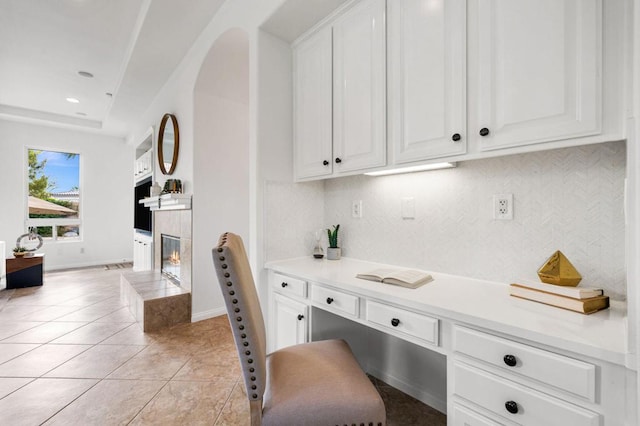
<point>329,300</point>
<point>338,160</point>
<point>395,322</point>
<point>300,317</point>
<point>484,131</point>
<point>511,406</point>
<point>510,360</point>
<point>284,284</point>
<point>325,163</point>
<point>456,137</point>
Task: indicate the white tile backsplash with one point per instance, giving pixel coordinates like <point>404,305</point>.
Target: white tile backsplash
<point>568,199</point>
<point>292,214</point>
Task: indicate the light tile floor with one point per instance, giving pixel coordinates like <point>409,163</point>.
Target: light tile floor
<point>71,354</point>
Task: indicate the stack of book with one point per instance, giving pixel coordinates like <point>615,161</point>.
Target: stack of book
<point>579,299</point>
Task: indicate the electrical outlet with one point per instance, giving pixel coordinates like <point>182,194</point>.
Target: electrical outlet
<point>356,209</point>
<point>503,206</point>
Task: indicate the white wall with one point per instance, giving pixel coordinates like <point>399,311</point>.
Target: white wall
<point>570,199</point>
<point>179,97</point>
<point>107,193</point>
<point>221,160</point>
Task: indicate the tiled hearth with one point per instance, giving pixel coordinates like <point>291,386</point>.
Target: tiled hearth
<point>155,300</point>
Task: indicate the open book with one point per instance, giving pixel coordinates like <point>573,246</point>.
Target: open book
<point>403,277</point>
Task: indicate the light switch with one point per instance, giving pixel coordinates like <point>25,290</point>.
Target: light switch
<point>408,208</point>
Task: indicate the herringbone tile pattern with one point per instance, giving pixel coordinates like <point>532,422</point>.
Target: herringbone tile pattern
<point>568,199</point>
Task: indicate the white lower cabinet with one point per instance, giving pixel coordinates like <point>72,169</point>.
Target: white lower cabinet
<point>289,322</point>
<point>515,402</point>
<point>142,252</point>
<point>519,384</point>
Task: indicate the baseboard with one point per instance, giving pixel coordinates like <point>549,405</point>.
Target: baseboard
<point>208,314</point>
<point>92,264</point>
<point>411,390</point>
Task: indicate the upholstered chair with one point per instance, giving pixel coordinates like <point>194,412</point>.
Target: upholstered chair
<point>317,383</point>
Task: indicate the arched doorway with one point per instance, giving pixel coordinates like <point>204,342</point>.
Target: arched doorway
<point>221,160</point>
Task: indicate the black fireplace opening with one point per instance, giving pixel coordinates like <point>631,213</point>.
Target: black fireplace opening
<point>170,255</point>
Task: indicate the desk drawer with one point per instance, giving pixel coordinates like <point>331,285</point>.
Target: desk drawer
<point>529,407</point>
<point>335,300</point>
<point>287,285</point>
<point>568,374</point>
<point>399,321</point>
<point>462,416</point>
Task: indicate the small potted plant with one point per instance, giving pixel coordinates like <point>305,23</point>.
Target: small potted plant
<point>19,251</point>
<point>333,251</point>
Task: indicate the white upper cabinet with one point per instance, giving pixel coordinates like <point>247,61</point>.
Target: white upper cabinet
<point>427,78</point>
<point>539,71</point>
<point>313,106</point>
<point>359,105</point>
<point>340,94</point>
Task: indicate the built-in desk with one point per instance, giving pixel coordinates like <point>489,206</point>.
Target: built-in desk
<point>500,360</point>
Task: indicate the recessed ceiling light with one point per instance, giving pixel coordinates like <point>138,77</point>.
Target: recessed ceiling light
<point>73,100</point>
<point>85,74</point>
<point>84,114</point>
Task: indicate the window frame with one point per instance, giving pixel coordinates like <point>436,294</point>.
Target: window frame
<point>54,223</point>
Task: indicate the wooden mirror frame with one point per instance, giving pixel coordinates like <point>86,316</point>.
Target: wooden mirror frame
<point>176,143</point>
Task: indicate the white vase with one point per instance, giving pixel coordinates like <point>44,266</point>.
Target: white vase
<point>334,253</point>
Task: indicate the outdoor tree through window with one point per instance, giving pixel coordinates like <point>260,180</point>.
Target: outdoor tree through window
<point>54,194</point>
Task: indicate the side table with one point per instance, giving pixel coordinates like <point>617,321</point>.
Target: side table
<point>25,271</point>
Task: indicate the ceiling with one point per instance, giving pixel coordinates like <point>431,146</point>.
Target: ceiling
<point>131,47</point>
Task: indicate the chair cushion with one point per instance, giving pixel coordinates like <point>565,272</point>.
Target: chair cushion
<point>319,383</point>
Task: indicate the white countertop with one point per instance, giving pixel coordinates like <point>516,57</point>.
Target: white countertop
<point>486,304</point>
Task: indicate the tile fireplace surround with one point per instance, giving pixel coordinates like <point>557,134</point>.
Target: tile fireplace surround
<point>153,299</point>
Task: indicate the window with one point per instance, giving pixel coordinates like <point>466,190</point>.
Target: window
<point>54,194</point>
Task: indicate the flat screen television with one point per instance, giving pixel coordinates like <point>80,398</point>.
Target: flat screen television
<point>142,218</point>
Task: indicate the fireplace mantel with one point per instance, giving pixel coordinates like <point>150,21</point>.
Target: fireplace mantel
<point>168,202</point>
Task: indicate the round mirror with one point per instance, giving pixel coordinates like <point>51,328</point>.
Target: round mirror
<point>168,144</point>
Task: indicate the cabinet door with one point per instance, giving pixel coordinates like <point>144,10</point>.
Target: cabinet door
<point>427,78</point>
<point>359,106</point>
<point>312,106</point>
<point>539,68</point>
<point>290,322</point>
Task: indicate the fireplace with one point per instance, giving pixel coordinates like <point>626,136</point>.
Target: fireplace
<point>170,256</point>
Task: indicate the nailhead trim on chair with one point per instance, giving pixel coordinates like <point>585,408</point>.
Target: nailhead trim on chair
<point>238,319</point>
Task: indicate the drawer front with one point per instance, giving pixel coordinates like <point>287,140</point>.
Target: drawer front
<point>462,416</point>
<point>288,285</point>
<point>531,408</point>
<point>568,374</point>
<point>401,322</point>
<point>335,300</point>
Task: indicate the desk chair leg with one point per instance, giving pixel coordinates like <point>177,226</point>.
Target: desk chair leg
<point>255,406</point>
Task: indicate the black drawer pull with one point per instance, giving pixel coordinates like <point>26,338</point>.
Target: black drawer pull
<point>456,137</point>
<point>484,131</point>
<point>329,300</point>
<point>284,284</point>
<point>510,360</point>
<point>395,322</point>
<point>338,160</point>
<point>511,406</point>
<point>300,317</point>
<point>325,163</point>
